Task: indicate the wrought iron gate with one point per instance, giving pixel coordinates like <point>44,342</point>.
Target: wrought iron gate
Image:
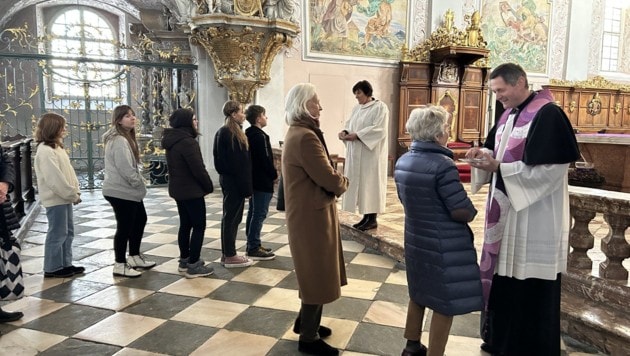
<point>31,84</point>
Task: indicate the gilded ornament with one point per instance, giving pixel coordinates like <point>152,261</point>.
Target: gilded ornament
<point>448,35</point>
<point>596,82</point>
<point>594,106</point>
<point>572,106</point>
<point>617,107</point>
<point>248,7</point>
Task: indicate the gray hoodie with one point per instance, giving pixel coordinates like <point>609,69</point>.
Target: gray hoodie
<point>122,174</point>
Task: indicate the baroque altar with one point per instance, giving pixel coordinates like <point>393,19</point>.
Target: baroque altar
<point>448,69</point>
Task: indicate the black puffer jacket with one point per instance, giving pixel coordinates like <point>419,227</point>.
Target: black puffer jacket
<point>442,270</point>
<point>264,173</point>
<point>188,177</point>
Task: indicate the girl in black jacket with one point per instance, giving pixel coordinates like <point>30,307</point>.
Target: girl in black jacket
<point>233,163</point>
<point>189,182</point>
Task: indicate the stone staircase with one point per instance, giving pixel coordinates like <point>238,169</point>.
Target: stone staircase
<point>595,312</point>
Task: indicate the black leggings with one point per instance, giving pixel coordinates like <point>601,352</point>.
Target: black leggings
<point>131,218</point>
<point>192,216</point>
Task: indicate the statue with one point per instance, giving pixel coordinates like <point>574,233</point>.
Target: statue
<point>448,20</point>
<point>279,9</point>
<point>473,31</point>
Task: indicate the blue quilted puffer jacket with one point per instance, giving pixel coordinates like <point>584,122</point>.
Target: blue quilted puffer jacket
<point>442,269</point>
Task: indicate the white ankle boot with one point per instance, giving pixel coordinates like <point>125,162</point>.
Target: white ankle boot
<point>139,261</point>
<point>125,270</point>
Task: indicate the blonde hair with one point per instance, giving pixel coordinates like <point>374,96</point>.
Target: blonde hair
<point>230,107</point>
<point>426,123</point>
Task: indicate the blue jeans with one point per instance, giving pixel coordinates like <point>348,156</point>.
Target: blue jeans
<point>258,209</point>
<point>58,245</point>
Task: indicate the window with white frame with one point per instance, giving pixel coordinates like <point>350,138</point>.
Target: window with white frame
<point>81,32</point>
<point>612,35</point>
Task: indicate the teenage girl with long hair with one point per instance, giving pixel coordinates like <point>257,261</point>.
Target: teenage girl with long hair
<point>124,189</point>
<point>233,163</point>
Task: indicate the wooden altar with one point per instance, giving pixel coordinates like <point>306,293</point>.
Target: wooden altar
<point>448,69</point>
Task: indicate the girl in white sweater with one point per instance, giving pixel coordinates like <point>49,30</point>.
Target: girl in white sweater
<point>58,190</point>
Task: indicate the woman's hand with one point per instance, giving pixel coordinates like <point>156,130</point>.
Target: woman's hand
<point>4,189</point>
<point>342,135</point>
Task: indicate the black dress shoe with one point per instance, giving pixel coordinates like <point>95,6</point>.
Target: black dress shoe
<point>323,331</point>
<point>488,348</point>
<point>6,317</point>
<point>317,347</point>
<point>368,225</point>
<point>62,273</point>
<point>417,349</point>
<point>76,269</point>
<point>361,222</point>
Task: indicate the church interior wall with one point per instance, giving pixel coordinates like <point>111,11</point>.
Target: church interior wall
<point>574,50</point>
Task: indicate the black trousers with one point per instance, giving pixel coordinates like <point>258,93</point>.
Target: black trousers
<point>233,205</point>
<point>131,218</point>
<point>523,316</point>
<point>192,218</point>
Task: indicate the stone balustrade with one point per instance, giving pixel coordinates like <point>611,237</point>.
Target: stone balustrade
<point>586,203</point>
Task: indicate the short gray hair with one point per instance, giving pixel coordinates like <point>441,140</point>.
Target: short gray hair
<point>426,123</point>
<point>295,102</point>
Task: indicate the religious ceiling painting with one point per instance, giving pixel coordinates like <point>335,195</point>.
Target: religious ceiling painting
<point>518,31</point>
<point>356,31</point>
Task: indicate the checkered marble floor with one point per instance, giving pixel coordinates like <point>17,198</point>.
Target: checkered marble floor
<point>242,311</point>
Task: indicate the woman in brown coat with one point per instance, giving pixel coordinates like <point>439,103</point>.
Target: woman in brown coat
<point>311,186</point>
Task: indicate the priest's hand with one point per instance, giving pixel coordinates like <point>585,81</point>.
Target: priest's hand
<point>483,160</point>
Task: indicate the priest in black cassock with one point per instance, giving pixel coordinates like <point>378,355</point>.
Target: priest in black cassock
<point>525,159</point>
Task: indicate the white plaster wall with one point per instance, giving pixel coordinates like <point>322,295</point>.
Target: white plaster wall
<point>334,84</point>
<point>210,102</point>
<point>577,58</point>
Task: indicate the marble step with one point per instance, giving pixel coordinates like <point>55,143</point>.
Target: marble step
<point>613,294</point>
<point>596,324</point>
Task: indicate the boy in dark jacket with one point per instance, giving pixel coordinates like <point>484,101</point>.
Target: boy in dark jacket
<point>264,175</point>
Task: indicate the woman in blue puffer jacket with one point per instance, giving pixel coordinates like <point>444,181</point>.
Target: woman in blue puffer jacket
<point>442,269</point>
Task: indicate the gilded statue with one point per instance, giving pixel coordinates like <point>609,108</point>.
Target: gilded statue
<point>473,31</point>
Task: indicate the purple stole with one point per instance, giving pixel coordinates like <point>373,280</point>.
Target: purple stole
<point>498,203</point>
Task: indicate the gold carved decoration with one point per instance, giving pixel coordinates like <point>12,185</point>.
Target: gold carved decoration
<point>572,106</point>
<point>248,7</point>
<point>596,82</point>
<point>617,107</point>
<point>448,35</point>
<point>594,105</point>
<point>242,49</point>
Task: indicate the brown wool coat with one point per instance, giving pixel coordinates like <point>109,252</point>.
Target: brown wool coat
<point>311,186</point>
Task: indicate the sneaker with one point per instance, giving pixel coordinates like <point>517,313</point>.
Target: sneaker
<point>125,270</point>
<point>222,260</point>
<point>237,261</point>
<point>198,269</point>
<point>183,265</point>
<point>61,273</point>
<point>260,255</point>
<point>139,261</point>
<point>266,248</point>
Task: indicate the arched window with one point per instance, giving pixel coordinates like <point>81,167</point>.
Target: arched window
<point>82,33</point>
